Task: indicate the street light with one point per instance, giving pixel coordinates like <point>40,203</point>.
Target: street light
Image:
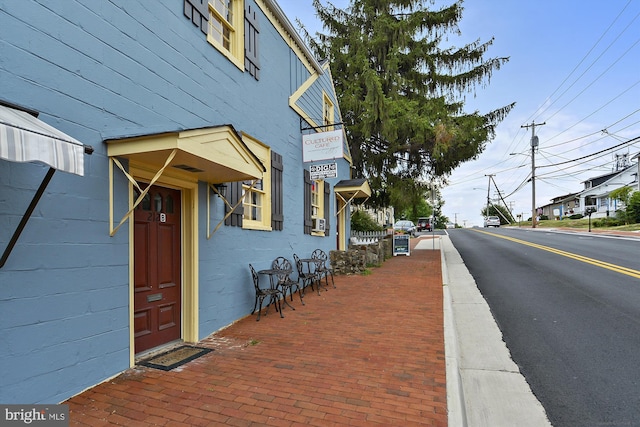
<point>486,214</point>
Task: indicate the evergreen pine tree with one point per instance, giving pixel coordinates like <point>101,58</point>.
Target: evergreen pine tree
<point>401,93</point>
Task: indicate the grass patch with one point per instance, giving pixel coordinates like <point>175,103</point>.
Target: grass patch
<point>582,223</point>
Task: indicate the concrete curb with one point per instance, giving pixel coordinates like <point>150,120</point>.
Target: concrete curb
<point>484,386</point>
<point>455,394</point>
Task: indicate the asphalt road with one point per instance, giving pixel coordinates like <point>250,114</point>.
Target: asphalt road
<point>570,315</point>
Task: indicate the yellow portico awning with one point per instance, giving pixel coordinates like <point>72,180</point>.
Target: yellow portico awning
<point>215,155</point>
<point>350,189</point>
<point>353,188</point>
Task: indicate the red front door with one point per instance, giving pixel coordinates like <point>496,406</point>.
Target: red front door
<point>157,289</point>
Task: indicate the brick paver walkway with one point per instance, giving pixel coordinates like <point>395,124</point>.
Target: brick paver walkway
<point>370,352</point>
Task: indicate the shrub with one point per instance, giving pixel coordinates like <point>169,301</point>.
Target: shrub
<point>576,216</point>
<point>621,215</point>
<point>362,221</point>
<point>607,222</point>
<point>633,208</point>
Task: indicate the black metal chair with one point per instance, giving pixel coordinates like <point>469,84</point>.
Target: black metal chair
<point>307,277</point>
<point>285,282</point>
<point>261,293</point>
<point>322,268</point>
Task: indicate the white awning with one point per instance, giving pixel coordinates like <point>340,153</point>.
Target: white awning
<point>24,138</point>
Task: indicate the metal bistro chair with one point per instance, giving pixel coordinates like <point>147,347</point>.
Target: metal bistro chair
<point>306,277</point>
<point>262,293</point>
<point>285,282</point>
<point>322,268</point>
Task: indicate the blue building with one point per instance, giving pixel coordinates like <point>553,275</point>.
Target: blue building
<point>149,151</point>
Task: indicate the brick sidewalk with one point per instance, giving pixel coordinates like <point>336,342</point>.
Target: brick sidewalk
<point>370,352</point>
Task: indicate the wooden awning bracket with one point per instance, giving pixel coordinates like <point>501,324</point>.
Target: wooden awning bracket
<point>346,202</point>
<point>143,192</point>
<point>226,202</point>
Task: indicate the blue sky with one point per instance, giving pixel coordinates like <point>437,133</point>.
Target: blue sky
<point>574,65</point>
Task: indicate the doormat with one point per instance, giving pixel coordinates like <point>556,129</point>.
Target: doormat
<point>176,357</point>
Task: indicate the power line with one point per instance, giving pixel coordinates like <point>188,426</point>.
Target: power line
<point>631,141</point>
<point>588,86</point>
<point>585,57</point>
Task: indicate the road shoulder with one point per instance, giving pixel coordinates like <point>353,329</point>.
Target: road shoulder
<point>484,385</point>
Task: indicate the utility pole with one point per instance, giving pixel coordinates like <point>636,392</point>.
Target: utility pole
<point>488,190</point>
<point>534,144</point>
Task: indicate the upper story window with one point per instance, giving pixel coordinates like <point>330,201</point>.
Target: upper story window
<point>328,117</point>
<point>222,22</point>
<point>226,23</point>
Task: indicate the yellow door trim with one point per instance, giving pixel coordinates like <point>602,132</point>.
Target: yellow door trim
<point>189,255</point>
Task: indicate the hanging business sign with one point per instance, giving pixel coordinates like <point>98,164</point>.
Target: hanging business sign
<point>322,146</point>
<point>326,170</point>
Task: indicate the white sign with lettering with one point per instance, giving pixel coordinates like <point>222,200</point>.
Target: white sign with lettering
<point>322,146</point>
<point>327,170</point>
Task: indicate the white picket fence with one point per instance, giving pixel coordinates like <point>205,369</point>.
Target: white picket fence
<point>367,237</point>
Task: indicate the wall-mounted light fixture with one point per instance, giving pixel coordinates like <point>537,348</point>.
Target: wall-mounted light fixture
<point>221,189</point>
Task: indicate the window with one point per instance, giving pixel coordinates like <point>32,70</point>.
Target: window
<point>226,22</point>
<point>256,198</point>
<point>315,199</point>
<point>264,202</point>
<point>317,215</point>
<point>604,201</point>
<point>327,112</point>
<point>254,201</point>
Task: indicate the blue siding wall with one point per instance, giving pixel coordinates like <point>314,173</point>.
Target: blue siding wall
<point>103,70</point>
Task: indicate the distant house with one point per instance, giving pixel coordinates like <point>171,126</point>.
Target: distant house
<point>597,191</point>
<point>383,216</point>
<point>596,194</point>
<point>562,206</point>
<point>637,159</point>
<point>216,142</point>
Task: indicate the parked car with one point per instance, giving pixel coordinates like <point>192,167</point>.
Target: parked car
<point>492,221</point>
<point>405,226</point>
<point>424,224</point>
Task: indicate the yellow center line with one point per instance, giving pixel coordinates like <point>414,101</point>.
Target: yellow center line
<point>613,267</point>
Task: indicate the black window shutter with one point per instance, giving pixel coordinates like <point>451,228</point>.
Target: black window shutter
<point>234,195</point>
<point>198,12</point>
<point>251,51</point>
<point>308,222</point>
<point>327,210</point>
<point>277,212</point>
